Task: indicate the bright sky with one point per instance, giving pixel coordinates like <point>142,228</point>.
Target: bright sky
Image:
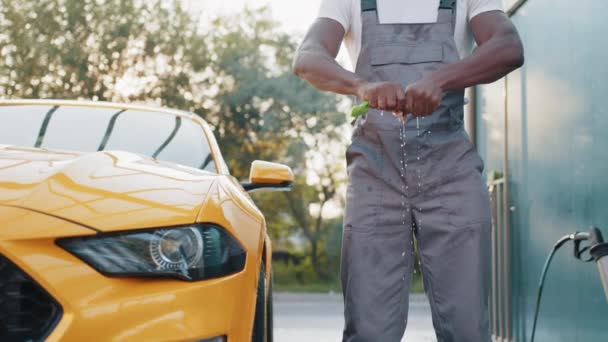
<point>295,16</point>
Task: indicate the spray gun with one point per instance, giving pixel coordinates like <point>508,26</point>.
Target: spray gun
<point>599,253</point>
<point>598,250</point>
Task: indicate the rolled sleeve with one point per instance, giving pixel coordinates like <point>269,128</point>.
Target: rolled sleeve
<point>338,10</point>
<point>477,7</point>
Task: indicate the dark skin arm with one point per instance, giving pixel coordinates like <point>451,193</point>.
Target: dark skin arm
<point>499,52</point>
<point>316,63</point>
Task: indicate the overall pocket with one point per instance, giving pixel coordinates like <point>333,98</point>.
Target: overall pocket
<point>364,191</point>
<point>466,199</point>
<point>405,63</point>
<point>407,53</point>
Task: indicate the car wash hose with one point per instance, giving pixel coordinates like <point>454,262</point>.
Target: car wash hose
<point>543,275</point>
<point>598,250</point>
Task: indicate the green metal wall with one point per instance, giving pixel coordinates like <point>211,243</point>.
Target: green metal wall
<point>557,130</point>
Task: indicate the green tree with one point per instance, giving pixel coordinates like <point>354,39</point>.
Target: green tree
<point>325,183</point>
<point>114,50</point>
<point>235,72</point>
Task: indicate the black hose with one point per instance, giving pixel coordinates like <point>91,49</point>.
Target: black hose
<point>543,275</point>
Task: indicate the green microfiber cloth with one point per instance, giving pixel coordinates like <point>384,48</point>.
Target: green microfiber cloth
<point>359,110</point>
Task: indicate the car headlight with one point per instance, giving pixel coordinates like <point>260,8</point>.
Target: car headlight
<point>195,252</point>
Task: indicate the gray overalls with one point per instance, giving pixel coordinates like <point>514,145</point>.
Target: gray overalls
<point>419,178</point>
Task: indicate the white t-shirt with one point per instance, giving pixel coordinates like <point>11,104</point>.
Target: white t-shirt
<point>348,13</point>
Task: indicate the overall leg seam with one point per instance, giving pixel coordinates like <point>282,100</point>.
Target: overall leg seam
<point>426,275</point>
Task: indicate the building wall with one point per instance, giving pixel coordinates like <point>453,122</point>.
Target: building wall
<point>557,130</point>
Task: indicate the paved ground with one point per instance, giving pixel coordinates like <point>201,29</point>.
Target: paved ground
<point>318,318</point>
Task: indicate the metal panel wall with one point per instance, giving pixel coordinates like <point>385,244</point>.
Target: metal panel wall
<point>500,305</point>
<point>490,130</point>
<point>558,162</point>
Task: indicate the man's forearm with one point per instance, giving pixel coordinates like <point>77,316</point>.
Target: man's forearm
<point>324,73</point>
<point>491,61</point>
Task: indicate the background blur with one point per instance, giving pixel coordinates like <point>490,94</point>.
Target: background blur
<point>541,131</point>
<point>227,61</point>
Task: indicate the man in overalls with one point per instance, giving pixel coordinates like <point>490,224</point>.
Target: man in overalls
<point>418,176</point>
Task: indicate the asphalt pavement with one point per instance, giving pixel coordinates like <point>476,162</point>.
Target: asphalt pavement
<point>318,318</point>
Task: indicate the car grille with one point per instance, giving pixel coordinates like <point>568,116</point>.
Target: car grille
<point>27,312</point>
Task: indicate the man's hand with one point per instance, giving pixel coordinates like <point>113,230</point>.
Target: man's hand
<point>499,51</point>
<point>423,97</point>
<point>386,96</point>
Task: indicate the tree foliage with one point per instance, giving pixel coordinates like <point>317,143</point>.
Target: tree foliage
<point>113,50</point>
<point>235,72</point>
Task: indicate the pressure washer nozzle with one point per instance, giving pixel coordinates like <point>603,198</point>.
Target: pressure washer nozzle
<point>581,236</point>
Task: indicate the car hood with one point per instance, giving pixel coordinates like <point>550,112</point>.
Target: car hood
<point>105,191</point>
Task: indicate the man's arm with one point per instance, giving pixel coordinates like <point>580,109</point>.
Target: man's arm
<point>315,62</point>
<point>499,52</point>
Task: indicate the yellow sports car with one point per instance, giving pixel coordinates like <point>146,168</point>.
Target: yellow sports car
<point>122,223</point>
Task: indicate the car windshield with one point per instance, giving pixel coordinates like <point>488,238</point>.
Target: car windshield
<point>161,136</point>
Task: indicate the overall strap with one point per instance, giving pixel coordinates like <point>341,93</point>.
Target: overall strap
<point>447,4</point>
<point>370,5</point>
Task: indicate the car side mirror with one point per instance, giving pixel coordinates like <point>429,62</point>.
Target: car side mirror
<point>269,176</point>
